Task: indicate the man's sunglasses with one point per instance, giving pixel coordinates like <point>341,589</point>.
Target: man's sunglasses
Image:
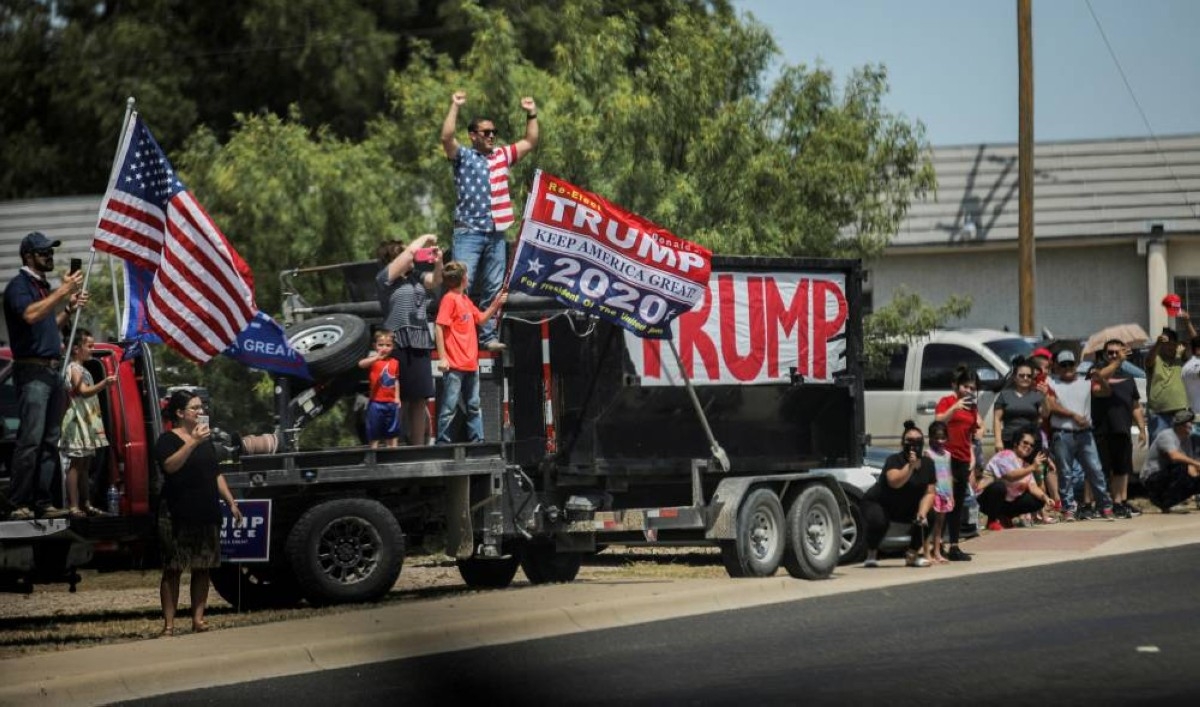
<point>487,133</point>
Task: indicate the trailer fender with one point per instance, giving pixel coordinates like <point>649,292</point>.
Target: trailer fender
<point>727,499</point>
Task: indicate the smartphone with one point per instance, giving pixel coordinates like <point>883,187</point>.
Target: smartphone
<point>202,419</point>
<point>424,255</point>
<point>76,265</point>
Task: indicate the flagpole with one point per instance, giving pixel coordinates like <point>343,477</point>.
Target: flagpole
<point>112,179</point>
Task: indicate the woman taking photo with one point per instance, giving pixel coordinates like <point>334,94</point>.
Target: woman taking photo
<point>189,517</point>
<point>404,293</point>
<point>903,494</point>
<point>1008,488</point>
<point>958,410</point>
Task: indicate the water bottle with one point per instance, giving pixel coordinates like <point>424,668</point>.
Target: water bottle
<point>114,500</point>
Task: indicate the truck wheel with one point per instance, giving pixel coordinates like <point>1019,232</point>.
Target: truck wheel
<point>758,547</point>
<point>543,565</point>
<point>331,344</point>
<point>854,536</point>
<point>250,586</point>
<point>814,534</point>
<point>482,573</point>
<point>348,550</point>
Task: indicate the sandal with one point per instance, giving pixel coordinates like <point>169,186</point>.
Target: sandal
<point>912,559</point>
<point>167,632</point>
<point>74,512</point>
<point>93,512</point>
<point>201,627</point>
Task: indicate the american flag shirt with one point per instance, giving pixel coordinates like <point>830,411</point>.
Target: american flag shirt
<point>484,202</point>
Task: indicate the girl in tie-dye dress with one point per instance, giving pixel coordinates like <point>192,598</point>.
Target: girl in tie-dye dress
<point>82,427</point>
<point>943,490</point>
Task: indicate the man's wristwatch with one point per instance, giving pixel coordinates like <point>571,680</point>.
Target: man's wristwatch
<point>531,116</point>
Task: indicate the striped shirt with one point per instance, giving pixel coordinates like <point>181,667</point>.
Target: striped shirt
<point>405,304</point>
<point>481,181</point>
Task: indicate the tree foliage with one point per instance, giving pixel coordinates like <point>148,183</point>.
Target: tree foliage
<point>906,318</point>
<point>309,128</point>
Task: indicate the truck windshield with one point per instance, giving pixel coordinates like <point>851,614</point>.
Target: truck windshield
<point>1008,349</point>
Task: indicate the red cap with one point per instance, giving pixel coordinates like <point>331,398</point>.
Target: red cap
<point>1044,353</point>
<point>1173,304</point>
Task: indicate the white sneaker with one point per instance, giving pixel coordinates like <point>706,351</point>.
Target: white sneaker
<point>870,562</point>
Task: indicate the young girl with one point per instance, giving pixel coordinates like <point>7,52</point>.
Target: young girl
<point>82,428</point>
<point>943,492</point>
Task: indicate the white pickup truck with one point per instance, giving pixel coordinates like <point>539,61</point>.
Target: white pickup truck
<point>918,375</point>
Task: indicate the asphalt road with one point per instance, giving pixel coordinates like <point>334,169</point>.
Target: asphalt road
<point>1114,630</point>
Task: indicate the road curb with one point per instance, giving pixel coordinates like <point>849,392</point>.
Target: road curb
<point>128,671</point>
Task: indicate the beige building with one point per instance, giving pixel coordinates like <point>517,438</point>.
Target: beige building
<point>1117,227</point>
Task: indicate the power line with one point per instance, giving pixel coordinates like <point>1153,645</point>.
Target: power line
<point>1129,87</point>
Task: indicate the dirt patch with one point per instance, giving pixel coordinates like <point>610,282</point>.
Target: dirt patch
<point>113,607</point>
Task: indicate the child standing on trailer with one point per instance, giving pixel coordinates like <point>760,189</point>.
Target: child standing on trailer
<point>82,427</point>
<point>458,352</point>
<point>383,410</point>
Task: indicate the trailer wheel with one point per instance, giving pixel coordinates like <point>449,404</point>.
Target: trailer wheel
<point>481,573</point>
<point>814,534</point>
<point>348,550</point>
<point>331,344</point>
<point>262,586</point>
<point>543,565</point>
<point>758,547</point>
<point>854,536</point>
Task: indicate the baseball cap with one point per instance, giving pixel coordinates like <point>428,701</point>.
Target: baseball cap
<point>1065,356</point>
<point>1043,352</point>
<point>37,241</point>
<point>1182,416</point>
<point>1173,303</point>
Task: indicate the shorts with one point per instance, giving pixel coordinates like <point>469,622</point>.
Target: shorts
<point>1116,453</point>
<point>416,373</point>
<point>383,421</point>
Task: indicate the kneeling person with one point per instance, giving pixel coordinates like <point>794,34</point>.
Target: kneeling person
<point>1172,473</point>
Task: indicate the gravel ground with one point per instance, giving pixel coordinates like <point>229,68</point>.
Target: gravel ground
<point>123,606</point>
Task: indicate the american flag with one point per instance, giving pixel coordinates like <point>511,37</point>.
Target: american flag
<point>202,295</point>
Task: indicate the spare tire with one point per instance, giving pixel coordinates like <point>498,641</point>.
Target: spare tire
<point>331,344</point>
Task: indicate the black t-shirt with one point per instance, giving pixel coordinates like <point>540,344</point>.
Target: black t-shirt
<point>1113,414</point>
<point>901,503</point>
<point>191,493</point>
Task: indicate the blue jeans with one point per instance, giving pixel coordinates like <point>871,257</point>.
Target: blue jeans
<point>485,253</point>
<point>1157,422</point>
<point>41,402</point>
<point>460,387</point>
<point>1071,447</point>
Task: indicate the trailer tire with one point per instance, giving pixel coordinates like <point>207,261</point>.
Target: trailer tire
<point>814,534</point>
<point>853,548</point>
<point>262,586</point>
<point>481,573</point>
<point>331,344</point>
<point>758,548</point>
<point>542,564</point>
<point>346,550</point>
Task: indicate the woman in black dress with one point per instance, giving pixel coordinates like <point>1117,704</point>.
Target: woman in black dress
<point>189,517</point>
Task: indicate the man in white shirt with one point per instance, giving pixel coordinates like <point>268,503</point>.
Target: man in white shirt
<point>1071,434</point>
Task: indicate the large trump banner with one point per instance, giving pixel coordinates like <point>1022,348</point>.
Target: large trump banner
<point>598,258</point>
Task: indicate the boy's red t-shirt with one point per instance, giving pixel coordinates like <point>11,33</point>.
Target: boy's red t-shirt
<point>960,428</point>
<point>457,316</point>
<point>383,376</point>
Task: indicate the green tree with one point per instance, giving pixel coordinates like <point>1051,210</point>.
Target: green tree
<point>906,318</point>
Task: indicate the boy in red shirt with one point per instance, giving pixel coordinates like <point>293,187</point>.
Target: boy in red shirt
<point>383,411</point>
<point>458,352</point>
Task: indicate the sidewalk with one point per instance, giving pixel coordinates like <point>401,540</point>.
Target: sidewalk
<point>132,670</point>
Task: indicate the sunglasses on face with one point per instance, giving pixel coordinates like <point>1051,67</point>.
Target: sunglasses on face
<point>486,133</point>
<point>1067,364</point>
<point>1112,353</point>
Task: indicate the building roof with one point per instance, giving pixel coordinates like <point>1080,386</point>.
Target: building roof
<point>1082,189</point>
<point>70,219</point>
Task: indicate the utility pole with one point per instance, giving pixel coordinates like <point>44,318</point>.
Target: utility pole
<point>1025,249</point>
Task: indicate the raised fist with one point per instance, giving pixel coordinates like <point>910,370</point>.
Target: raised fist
<point>459,98</point>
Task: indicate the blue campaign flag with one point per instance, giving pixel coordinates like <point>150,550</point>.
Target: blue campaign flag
<point>264,345</point>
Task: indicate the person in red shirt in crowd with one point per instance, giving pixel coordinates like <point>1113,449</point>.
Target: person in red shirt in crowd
<point>383,411</point>
<point>961,415</point>
<point>458,352</point>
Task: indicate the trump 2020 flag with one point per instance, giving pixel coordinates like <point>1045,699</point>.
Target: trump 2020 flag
<point>202,292</point>
<point>598,258</point>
